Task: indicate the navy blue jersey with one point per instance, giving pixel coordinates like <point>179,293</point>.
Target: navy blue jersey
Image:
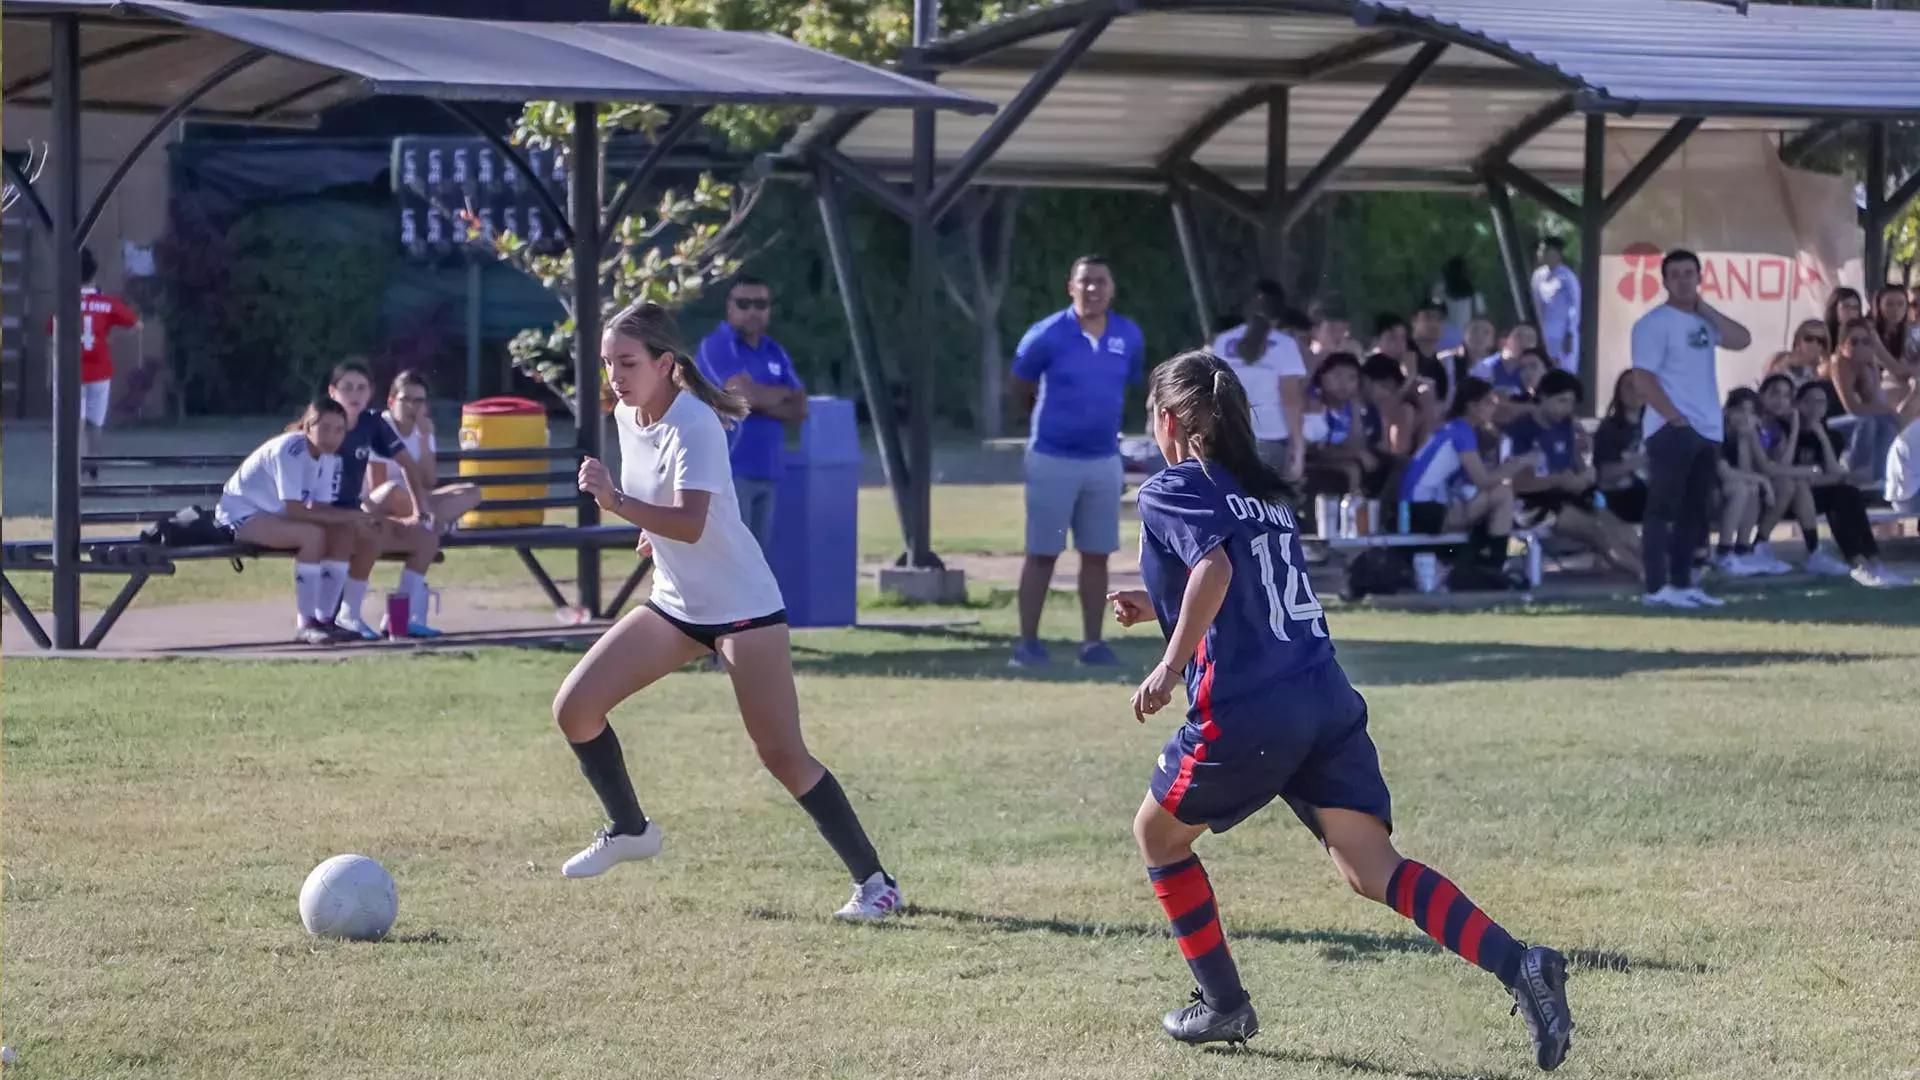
<point>1270,627</point>
<point>371,435</point>
<point>1556,444</point>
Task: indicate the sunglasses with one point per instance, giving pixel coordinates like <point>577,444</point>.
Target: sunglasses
<point>753,304</point>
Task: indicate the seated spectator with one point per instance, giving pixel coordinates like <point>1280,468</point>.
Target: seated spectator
<point>1343,443</point>
<point>278,499</point>
<point>1836,495</point>
<point>1478,342</point>
<point>1860,375</point>
<point>1563,485</point>
<point>1807,360</point>
<point>1746,487</point>
<point>1391,336</point>
<point>1903,461</point>
<point>1776,431</point>
<point>1899,333</point>
<point>1332,333</point>
<point>1502,369</point>
<point>389,494</point>
<point>1449,487</point>
<point>1401,407</point>
<point>1618,457</point>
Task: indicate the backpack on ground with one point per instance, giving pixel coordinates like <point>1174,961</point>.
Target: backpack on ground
<point>1379,572</point>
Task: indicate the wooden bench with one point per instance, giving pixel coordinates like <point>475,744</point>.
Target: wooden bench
<point>137,561</point>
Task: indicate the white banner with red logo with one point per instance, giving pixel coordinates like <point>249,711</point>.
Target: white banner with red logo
<point>1773,243</point>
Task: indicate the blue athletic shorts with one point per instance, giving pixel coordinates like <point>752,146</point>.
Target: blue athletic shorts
<point>1307,744</point>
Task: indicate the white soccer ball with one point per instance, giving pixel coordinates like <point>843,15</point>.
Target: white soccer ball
<point>349,896</point>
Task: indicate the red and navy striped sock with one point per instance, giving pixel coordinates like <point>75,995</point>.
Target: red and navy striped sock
<point>1187,897</point>
<point>1444,912</point>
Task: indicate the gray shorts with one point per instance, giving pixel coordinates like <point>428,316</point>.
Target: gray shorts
<point>1065,493</point>
<point>756,506</point>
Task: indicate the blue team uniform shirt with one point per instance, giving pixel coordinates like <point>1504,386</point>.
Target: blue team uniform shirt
<point>1435,473</point>
<point>1556,443</point>
<point>1504,379</point>
<point>759,441</point>
<point>1083,383</point>
<point>370,435</point>
<point>1270,628</point>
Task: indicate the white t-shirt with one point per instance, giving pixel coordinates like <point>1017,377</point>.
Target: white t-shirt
<point>1678,348</point>
<point>1903,465</point>
<point>722,577</point>
<point>282,470</point>
<point>1261,379</point>
<point>413,444</point>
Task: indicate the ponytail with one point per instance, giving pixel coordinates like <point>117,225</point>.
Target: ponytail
<point>653,326</point>
<point>1204,396</point>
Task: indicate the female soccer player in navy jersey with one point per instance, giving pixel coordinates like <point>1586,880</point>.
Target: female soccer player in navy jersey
<point>1272,714</point>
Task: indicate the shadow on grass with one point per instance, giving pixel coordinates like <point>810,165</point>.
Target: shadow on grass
<point>1351,1064</point>
<point>954,653</point>
<point>1337,946</point>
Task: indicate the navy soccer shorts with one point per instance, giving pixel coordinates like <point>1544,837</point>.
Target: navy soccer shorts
<point>1307,744</point>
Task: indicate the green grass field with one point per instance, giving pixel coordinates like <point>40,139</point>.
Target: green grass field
<point>1713,815</point>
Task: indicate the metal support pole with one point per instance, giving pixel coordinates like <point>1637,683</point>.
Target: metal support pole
<point>1273,231</point>
<point>873,384</point>
<point>1593,220</point>
<point>1874,220</point>
<point>926,23</point>
<point>66,334</point>
<point>1513,251</point>
<point>1187,231</point>
<point>473,329</point>
<point>583,179</point>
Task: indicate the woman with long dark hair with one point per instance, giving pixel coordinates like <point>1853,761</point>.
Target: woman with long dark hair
<point>1448,486</point>
<point>1861,371</point>
<point>712,594</point>
<point>1834,490</point>
<point>1618,456</point>
<point>1271,715</point>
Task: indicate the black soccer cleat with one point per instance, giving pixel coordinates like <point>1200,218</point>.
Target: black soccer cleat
<point>1200,1023</point>
<point>1540,997</point>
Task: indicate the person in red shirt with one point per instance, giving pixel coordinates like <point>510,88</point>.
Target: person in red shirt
<point>100,314</point>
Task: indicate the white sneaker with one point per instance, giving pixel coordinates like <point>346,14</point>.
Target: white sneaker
<point>873,899</point>
<point>1701,598</point>
<point>609,849</point>
<point>1769,563</point>
<point>1824,562</point>
<point>1733,564</point>
<point>1668,596</point>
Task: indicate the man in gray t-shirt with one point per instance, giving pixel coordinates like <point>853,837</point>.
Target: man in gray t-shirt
<point>1673,361</point>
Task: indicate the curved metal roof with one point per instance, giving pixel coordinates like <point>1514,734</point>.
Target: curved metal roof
<point>1161,68</point>
<point>141,57</point>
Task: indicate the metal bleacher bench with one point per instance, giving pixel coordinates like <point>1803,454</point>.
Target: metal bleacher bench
<point>141,503</point>
<point>1528,538</point>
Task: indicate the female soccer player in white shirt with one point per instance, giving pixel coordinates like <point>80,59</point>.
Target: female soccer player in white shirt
<point>278,499</point>
<point>712,593</point>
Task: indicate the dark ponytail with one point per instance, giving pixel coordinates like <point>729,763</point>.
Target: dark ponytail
<point>1202,394</point>
<point>317,408</point>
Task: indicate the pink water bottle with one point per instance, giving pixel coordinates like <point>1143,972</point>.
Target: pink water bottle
<point>398,615</point>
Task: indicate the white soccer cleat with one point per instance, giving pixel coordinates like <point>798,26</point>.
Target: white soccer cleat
<point>873,899</point>
<point>1736,565</point>
<point>610,849</point>
<point>1701,598</point>
<point>1767,562</point>
<point>1669,597</point>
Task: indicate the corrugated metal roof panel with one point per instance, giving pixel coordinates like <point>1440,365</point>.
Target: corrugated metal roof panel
<point>1153,74</point>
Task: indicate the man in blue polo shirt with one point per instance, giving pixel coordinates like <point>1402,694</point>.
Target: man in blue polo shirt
<point>1073,368</point>
<point>742,358</point>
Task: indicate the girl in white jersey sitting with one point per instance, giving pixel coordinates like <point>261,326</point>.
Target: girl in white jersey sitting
<point>388,494</point>
<point>712,593</point>
<point>279,499</point>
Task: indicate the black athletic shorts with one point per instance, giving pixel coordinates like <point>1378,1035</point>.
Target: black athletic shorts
<point>709,634</point>
<point>1429,518</point>
<point>1557,500</point>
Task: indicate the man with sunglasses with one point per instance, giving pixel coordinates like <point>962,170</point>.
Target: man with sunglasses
<point>742,358</point>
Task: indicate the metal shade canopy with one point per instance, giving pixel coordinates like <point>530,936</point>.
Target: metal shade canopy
<point>1164,69</point>
<point>142,57</point>
<point>189,61</point>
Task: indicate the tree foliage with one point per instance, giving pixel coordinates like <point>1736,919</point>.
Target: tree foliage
<point>667,254</point>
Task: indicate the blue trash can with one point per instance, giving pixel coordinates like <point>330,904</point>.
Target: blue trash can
<point>815,545</point>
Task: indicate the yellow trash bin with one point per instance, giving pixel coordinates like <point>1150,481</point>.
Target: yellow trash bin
<point>495,423</point>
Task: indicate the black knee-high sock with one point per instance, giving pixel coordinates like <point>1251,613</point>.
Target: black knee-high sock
<point>1433,903</point>
<point>834,816</point>
<point>606,769</point>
